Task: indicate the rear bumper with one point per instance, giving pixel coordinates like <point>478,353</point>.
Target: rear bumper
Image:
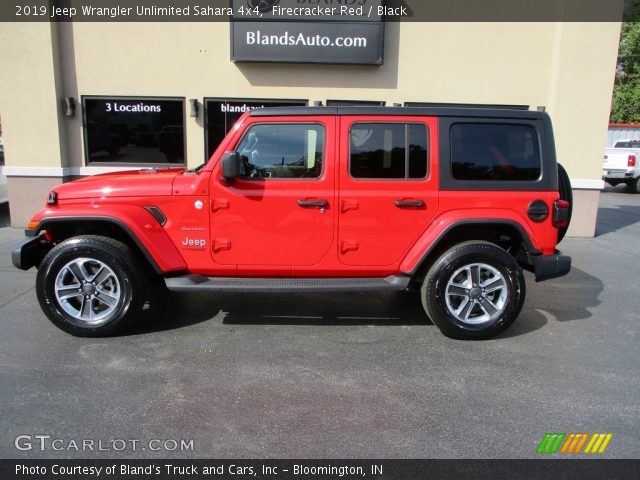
<point>29,252</point>
<point>546,267</point>
<point>618,174</point>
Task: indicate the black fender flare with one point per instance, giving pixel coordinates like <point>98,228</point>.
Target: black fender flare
<point>530,249</point>
<point>107,220</point>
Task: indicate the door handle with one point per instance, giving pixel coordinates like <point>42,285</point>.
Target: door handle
<point>410,203</point>
<point>313,203</point>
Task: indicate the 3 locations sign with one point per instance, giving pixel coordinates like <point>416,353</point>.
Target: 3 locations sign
<point>130,130</point>
<point>308,31</point>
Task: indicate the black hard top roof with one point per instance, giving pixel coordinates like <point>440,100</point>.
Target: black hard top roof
<point>417,111</point>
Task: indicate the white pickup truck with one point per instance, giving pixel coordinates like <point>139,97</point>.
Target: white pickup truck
<point>622,164</point>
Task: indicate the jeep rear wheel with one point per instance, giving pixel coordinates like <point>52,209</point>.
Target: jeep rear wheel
<point>475,290</point>
<point>90,286</point>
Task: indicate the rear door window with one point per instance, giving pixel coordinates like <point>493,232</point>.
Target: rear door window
<point>388,150</point>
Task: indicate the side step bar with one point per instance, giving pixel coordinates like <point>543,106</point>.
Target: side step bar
<point>199,283</point>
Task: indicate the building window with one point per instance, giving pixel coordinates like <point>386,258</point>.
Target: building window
<point>134,130</point>
<point>355,103</point>
<point>283,151</point>
<point>388,150</point>
<point>482,151</point>
<point>222,113</point>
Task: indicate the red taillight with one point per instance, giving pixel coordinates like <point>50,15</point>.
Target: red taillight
<point>631,161</point>
<point>560,213</point>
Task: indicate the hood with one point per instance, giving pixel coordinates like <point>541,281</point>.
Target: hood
<point>136,183</point>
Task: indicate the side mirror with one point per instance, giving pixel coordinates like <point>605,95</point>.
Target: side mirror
<point>232,166</point>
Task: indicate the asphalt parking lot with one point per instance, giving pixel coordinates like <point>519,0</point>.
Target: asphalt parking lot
<point>340,376</point>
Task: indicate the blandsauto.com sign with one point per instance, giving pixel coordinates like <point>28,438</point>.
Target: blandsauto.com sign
<point>308,31</point>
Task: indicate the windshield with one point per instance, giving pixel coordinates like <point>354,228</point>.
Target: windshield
<point>628,144</point>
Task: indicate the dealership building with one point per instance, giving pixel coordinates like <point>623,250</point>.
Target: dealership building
<point>81,98</point>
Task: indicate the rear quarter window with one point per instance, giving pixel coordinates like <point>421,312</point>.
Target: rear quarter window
<point>494,152</point>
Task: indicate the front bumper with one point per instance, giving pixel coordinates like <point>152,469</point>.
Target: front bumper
<point>546,267</point>
<point>29,252</point>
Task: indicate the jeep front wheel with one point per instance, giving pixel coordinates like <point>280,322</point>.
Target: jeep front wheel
<point>475,290</point>
<point>90,286</point>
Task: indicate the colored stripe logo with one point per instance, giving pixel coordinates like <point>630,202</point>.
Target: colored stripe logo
<point>598,443</point>
<point>574,443</point>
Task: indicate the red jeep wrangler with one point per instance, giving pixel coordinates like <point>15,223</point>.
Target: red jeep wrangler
<point>453,202</point>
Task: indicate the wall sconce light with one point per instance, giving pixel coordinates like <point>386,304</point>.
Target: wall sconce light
<point>70,106</point>
<point>194,107</point>
<point>317,103</point>
<point>397,104</point>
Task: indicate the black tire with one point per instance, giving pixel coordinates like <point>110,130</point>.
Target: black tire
<point>566,193</point>
<point>494,265</point>
<point>74,272</point>
<point>633,186</point>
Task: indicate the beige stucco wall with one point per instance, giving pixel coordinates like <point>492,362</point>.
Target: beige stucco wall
<point>566,67</point>
<point>28,195</point>
<point>581,84</point>
<point>442,62</point>
<point>28,103</point>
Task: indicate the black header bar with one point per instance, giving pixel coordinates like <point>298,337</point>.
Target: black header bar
<point>392,10</point>
<point>172,469</point>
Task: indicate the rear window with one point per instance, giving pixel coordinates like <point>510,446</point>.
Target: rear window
<point>484,151</point>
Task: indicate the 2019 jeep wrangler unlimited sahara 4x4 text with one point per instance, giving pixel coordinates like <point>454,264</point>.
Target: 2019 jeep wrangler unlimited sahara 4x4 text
<point>452,202</point>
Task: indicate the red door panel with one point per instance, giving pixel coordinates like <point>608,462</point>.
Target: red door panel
<point>280,216</point>
<point>382,209</point>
